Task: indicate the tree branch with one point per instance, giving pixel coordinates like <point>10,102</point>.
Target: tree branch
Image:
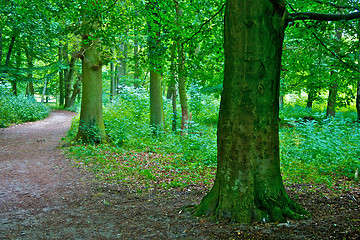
<point>202,25</point>
<point>322,16</point>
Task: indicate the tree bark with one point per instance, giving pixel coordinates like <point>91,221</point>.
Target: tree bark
<point>91,125</point>
<point>248,184</point>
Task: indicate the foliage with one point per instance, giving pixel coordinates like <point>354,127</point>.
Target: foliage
<point>313,149</point>
<point>18,109</point>
<point>318,151</point>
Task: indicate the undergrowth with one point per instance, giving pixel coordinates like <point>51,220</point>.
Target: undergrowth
<point>313,149</point>
<point>19,109</point>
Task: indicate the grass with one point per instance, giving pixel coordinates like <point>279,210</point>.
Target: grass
<point>319,151</point>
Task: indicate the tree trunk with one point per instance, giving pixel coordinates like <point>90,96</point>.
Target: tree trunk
<point>182,90</point>
<point>181,75</point>
<point>248,184</point>
<point>311,98</point>
<point>30,84</point>
<point>44,91</point>
<point>358,101</point>
<point>171,93</point>
<point>1,45</point>
<point>17,75</point>
<point>76,91</point>
<point>91,125</point>
<point>11,46</point>
<point>112,81</point>
<point>136,64</point>
<point>69,80</point>
<point>156,101</point>
<point>61,76</point>
<point>331,103</point>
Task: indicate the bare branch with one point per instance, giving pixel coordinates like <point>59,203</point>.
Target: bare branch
<point>322,16</point>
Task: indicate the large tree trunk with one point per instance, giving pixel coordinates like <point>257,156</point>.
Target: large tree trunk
<point>91,125</point>
<point>248,184</point>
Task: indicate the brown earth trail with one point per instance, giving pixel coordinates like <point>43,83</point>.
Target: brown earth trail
<point>42,196</point>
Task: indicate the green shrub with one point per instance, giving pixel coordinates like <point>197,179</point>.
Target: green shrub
<point>18,109</point>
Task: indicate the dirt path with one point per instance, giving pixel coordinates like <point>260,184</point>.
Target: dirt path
<point>43,197</point>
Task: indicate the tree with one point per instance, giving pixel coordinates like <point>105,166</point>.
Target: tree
<point>91,125</point>
<point>248,184</point>
<point>156,101</point>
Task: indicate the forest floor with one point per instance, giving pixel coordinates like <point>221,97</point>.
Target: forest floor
<point>43,196</point>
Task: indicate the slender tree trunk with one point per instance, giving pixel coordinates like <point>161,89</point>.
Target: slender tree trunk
<point>171,93</point>
<point>181,74</point>
<point>91,125</point>
<point>331,103</point>
<point>1,45</point>
<point>44,91</point>
<point>123,48</point>
<point>112,81</point>
<point>136,64</point>
<point>358,101</point>
<point>311,98</point>
<point>69,80</point>
<point>11,46</point>
<point>281,101</point>
<point>156,101</point>
<point>30,64</point>
<point>76,91</point>
<point>18,65</point>
<point>182,90</point>
<point>61,76</point>
<point>248,184</point>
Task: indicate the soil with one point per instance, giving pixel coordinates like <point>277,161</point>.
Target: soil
<point>44,196</point>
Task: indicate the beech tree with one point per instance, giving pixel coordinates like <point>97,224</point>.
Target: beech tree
<point>91,125</point>
<point>248,184</point>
